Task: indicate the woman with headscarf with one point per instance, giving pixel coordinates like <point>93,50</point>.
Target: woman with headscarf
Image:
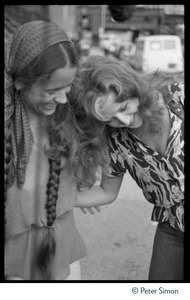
<point>41,240</point>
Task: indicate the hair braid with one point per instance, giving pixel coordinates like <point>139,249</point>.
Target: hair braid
<point>8,164</point>
<point>48,246</point>
<point>52,191</point>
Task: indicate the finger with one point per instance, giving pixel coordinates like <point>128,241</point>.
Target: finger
<point>97,208</point>
<point>83,210</point>
<point>90,209</point>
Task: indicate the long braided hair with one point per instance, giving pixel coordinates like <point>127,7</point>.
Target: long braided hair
<point>54,57</point>
<point>48,247</point>
<point>8,162</point>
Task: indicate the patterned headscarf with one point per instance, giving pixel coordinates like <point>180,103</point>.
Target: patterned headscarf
<point>28,41</point>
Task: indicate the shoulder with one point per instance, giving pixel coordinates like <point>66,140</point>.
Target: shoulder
<point>113,134</point>
<point>176,91</point>
<point>175,100</point>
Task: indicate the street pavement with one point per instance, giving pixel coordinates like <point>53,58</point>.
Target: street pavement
<point>119,238</point>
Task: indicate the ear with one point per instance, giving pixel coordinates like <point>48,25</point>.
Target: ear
<point>99,103</point>
<point>18,85</point>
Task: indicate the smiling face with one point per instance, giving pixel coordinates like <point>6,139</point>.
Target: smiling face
<point>44,95</point>
<point>125,114</point>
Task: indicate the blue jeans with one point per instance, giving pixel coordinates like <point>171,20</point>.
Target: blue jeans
<point>167,262</point>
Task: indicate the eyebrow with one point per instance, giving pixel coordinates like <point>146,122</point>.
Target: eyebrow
<point>59,88</point>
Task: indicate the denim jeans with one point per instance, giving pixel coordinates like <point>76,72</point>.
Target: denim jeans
<point>167,262</point>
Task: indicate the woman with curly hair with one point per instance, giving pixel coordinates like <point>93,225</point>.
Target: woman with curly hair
<point>138,120</point>
<point>41,240</point>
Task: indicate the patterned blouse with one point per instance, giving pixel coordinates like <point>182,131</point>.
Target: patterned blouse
<point>161,177</point>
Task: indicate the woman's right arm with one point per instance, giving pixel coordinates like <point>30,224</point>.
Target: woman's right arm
<point>102,194</point>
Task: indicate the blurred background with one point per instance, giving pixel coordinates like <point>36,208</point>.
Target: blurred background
<point>119,238</point>
<point>119,31</point>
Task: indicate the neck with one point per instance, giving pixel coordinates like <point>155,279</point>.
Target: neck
<point>164,119</point>
<point>164,127</point>
<point>36,120</point>
<point>36,124</point>
<point>40,135</point>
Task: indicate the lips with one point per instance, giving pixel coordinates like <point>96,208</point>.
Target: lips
<point>137,121</point>
<point>132,119</point>
<point>50,106</point>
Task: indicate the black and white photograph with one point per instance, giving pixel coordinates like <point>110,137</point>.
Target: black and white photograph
<point>94,145</point>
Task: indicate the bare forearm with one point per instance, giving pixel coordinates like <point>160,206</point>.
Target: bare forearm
<point>94,197</point>
<point>100,194</point>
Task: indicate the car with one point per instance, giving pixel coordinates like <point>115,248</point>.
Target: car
<point>163,52</point>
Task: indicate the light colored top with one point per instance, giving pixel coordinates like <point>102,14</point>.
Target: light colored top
<point>26,218</point>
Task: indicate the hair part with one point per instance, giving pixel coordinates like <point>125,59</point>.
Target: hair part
<point>53,58</point>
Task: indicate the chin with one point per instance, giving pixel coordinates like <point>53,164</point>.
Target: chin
<point>135,126</point>
<point>115,126</point>
<point>137,123</point>
<point>48,112</point>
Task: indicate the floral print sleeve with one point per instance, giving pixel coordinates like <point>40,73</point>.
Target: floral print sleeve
<point>161,177</point>
<point>177,92</point>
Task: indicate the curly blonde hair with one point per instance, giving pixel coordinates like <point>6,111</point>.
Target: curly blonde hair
<point>97,76</point>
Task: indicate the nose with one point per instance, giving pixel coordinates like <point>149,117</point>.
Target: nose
<point>61,97</point>
<point>124,119</point>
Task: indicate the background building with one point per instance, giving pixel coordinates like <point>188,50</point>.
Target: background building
<point>155,19</point>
